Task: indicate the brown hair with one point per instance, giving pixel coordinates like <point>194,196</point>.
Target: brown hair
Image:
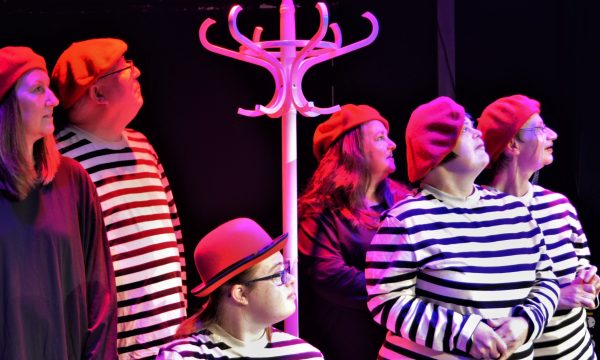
<point>210,311</point>
<point>340,183</point>
<point>17,175</point>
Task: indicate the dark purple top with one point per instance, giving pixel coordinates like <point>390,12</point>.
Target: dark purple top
<point>57,285</point>
<point>333,298</point>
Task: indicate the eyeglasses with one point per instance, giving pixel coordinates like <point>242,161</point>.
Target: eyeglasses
<point>281,278</point>
<point>541,129</point>
<point>129,67</point>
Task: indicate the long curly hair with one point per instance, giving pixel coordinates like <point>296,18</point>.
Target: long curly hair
<point>340,183</point>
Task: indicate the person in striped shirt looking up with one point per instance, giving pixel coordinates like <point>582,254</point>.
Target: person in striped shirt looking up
<point>457,271</point>
<point>248,287</point>
<point>100,91</point>
<point>519,143</point>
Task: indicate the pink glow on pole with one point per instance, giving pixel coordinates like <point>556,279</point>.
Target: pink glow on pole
<point>287,66</point>
<point>289,154</point>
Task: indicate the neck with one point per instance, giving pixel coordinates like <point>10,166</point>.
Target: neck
<point>371,197</point>
<point>99,121</point>
<point>512,180</point>
<point>450,182</point>
<point>240,326</point>
<point>100,130</point>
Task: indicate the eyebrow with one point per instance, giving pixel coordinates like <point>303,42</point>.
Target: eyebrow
<point>276,265</point>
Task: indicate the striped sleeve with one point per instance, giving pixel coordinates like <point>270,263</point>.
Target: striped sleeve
<point>559,221</point>
<point>176,226</point>
<point>542,300</point>
<point>391,276</point>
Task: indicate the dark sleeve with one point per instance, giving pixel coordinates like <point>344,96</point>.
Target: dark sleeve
<point>101,340</point>
<point>323,265</point>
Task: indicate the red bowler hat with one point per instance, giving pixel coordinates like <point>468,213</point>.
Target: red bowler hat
<point>231,249</point>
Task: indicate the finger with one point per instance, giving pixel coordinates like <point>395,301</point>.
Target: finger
<point>589,288</point>
<point>589,273</point>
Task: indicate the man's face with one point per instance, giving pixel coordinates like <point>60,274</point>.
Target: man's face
<point>121,88</point>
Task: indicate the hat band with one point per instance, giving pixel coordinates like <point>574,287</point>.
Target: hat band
<point>231,268</point>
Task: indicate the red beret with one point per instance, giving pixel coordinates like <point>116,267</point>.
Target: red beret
<point>15,61</point>
<point>349,117</point>
<point>431,134</point>
<point>82,64</point>
<point>501,121</point>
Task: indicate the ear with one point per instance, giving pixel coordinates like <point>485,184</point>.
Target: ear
<point>96,94</point>
<point>239,293</point>
<point>513,148</point>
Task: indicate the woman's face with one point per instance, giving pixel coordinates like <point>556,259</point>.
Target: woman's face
<point>536,141</point>
<point>268,302</point>
<point>36,103</point>
<point>378,149</point>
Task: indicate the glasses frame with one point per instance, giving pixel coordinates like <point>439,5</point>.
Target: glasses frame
<point>543,128</point>
<point>283,274</point>
<point>129,66</point>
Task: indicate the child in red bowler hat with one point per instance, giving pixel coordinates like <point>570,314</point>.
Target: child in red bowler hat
<point>249,288</point>
<point>457,271</point>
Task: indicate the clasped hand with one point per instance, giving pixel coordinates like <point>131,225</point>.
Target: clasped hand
<point>499,338</point>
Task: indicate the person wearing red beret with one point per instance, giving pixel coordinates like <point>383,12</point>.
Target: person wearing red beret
<point>519,144</point>
<point>58,293</point>
<point>100,91</point>
<point>338,215</point>
<point>248,288</point>
<point>456,271</point>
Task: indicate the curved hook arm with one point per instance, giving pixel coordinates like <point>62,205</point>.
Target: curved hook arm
<point>346,49</point>
<point>298,98</point>
<point>244,41</point>
<point>275,72</point>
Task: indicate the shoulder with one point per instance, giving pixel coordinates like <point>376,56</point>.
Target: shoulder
<point>413,200</point>
<point>294,345</point>
<point>135,135</point>
<point>191,343</point>
<point>71,167</point>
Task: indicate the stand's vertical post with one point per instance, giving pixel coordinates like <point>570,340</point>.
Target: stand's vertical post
<point>289,155</point>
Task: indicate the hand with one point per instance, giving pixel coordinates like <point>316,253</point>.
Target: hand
<point>486,343</point>
<point>589,276</point>
<point>577,294</point>
<point>512,331</point>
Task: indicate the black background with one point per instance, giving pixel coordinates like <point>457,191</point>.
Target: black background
<point>222,165</point>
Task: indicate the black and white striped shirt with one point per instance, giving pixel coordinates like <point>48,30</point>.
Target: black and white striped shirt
<point>439,265</point>
<point>144,236</point>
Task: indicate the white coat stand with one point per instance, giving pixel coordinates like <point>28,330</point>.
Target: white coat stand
<point>288,59</point>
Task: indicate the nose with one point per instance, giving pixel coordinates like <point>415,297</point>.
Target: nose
<point>551,134</point>
<point>391,144</point>
<point>136,72</point>
<point>291,280</point>
<point>51,99</point>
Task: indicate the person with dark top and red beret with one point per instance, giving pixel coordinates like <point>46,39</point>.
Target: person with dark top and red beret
<point>338,215</point>
<point>519,143</point>
<point>456,271</point>
<point>248,288</point>
<point>58,293</point>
